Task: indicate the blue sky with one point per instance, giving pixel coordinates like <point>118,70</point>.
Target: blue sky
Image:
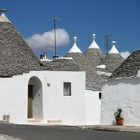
<point>120,19</point>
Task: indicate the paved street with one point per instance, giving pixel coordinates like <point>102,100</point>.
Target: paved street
<point>26,132</point>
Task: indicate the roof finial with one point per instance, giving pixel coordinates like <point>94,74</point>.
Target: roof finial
<point>75,48</point>
<point>94,36</point>
<point>94,45</point>
<point>2,11</point>
<point>75,39</point>
<point>3,18</point>
<point>113,50</point>
<point>113,42</point>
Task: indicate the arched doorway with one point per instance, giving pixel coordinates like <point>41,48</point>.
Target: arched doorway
<point>35,110</point>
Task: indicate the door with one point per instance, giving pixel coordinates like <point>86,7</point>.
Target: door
<point>30,101</point>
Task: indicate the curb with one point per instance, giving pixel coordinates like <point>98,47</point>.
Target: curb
<point>130,129</point>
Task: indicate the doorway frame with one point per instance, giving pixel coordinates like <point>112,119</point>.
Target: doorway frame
<point>37,99</point>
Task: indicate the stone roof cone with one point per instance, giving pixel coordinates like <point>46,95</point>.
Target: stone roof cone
<point>94,45</point>
<point>16,57</point>
<point>3,18</point>
<point>76,54</point>
<point>75,48</point>
<point>113,59</point>
<point>113,50</point>
<point>94,53</point>
<point>129,67</point>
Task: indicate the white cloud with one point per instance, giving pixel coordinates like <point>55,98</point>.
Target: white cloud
<point>45,41</point>
<point>125,54</point>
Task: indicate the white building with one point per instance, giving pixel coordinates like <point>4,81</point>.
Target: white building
<point>54,91</point>
<point>30,91</point>
<point>122,91</point>
<point>98,68</point>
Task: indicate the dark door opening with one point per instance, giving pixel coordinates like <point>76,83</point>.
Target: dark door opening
<point>30,101</point>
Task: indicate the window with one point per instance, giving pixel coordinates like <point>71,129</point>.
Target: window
<point>67,89</point>
<point>100,95</point>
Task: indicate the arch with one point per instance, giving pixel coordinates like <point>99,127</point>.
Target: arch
<point>35,105</point>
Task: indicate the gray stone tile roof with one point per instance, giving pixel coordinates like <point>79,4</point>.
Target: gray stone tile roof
<point>61,65</point>
<point>112,61</point>
<point>16,57</point>
<point>88,62</point>
<point>129,67</point>
<point>79,58</point>
<point>94,56</point>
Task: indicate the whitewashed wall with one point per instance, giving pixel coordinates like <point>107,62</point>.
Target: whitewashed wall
<point>93,107</point>
<point>56,107</point>
<point>66,109</point>
<point>123,94</point>
<point>12,99</point>
<point>14,96</point>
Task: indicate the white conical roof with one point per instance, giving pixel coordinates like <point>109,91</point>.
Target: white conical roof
<point>3,18</point>
<point>75,48</point>
<point>94,45</point>
<point>113,50</point>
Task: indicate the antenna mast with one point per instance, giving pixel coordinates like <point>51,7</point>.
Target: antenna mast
<point>55,45</point>
<point>107,43</point>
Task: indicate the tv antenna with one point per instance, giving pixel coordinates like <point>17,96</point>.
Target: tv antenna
<point>55,43</point>
<point>107,43</point>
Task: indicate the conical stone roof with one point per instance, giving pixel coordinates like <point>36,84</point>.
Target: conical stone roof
<point>92,78</point>
<point>76,54</point>
<point>87,64</point>
<point>16,57</point>
<point>129,67</point>
<point>75,48</point>
<point>97,67</point>
<point>113,59</point>
<point>94,54</point>
<point>94,45</point>
<point>113,50</point>
<point>3,18</point>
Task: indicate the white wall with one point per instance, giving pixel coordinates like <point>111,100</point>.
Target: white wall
<point>123,94</point>
<point>12,99</point>
<point>93,107</point>
<point>67,109</point>
<point>14,96</point>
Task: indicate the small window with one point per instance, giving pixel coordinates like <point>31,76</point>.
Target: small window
<point>100,95</point>
<point>67,89</point>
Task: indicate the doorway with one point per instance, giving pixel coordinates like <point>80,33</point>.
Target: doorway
<point>30,101</point>
<point>35,105</point>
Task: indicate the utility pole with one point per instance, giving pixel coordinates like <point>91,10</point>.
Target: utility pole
<point>55,43</point>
